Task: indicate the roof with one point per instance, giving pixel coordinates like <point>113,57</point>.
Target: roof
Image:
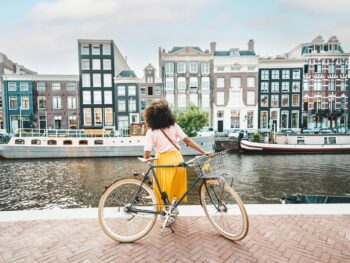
<point>127,74</point>
<point>241,53</point>
<point>174,49</point>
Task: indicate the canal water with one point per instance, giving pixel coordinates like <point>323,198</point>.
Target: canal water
<point>72,183</point>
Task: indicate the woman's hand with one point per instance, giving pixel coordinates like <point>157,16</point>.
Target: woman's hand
<point>209,154</point>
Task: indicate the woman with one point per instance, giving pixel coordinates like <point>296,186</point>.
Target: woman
<point>164,135</point>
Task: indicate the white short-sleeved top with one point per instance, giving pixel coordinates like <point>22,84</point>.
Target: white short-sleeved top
<point>156,139</point>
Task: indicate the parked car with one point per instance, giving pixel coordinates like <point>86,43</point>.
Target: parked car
<point>206,131</point>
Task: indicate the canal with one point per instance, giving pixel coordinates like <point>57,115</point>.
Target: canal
<point>72,183</point>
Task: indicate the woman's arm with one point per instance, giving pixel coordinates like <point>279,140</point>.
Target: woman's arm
<point>195,146</point>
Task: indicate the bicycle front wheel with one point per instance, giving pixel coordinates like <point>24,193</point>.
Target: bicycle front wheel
<point>224,209</point>
<point>127,210</point>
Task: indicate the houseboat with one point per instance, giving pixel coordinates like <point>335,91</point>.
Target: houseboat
<point>301,143</point>
<point>85,143</point>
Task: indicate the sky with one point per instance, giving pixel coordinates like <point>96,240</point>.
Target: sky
<point>42,34</point>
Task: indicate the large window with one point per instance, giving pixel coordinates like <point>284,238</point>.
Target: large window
<point>331,85</point>
<point>251,97</point>
<point>132,105</point>
<point>342,67</point>
<point>318,84</point>
<point>275,87</point>
<point>250,119</point>
<point>157,90</point>
<point>56,102</point>
<point>107,80</point>
<point>274,101</point>
<point>121,105</point>
<point>286,74</point>
<point>25,103</point>
<point>275,74</point>
<point>220,82</point>
<point>331,68</point>
<point>306,85</point>
<point>106,49</point>
<point>86,97</point>
<point>98,116</point>
<point>251,82</point>
<point>13,103</point>
<point>236,83</point>
<point>85,50</point>
<point>97,97</point>
<point>264,101</point>
<point>107,97</point>
<point>193,82</point>
<point>169,83</point>
<point>123,122</point>
<point>194,67</point>
<point>107,64</point>
<point>87,116</point>
<point>296,87</point>
<point>296,73</point>
<point>56,86</point>
<point>143,104</point>
<point>235,119</point>
<point>342,85</point>
<point>108,116</point>
<point>285,86</point>
<point>181,67</point>
<point>194,99</point>
<point>205,68</point>
<point>71,86</point>
<point>96,80</point>
<point>295,100</point>
<point>318,67</point>
<point>205,100</point>
<point>96,64</point>
<point>264,119</point>
<point>24,86</point>
<point>132,91</point>
<point>285,100</point>
<point>170,99</point>
<point>264,75</point>
<point>181,84</point>
<point>86,80</point>
<point>121,90</point>
<point>42,102</point>
<point>12,86</point>
<point>295,119</point>
<point>284,119</point>
<point>205,83</point>
<point>96,50</point>
<point>220,98</point>
<point>181,101</point>
<point>72,102</point>
<point>169,68</point>
<point>264,87</point>
<point>40,86</point>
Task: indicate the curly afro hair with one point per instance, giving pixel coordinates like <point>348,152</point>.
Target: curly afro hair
<point>158,115</point>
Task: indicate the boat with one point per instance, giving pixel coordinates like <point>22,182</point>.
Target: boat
<point>27,144</point>
<point>315,199</point>
<point>300,143</point>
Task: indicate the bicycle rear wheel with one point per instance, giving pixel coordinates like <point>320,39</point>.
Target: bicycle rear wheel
<point>116,213</point>
<point>224,209</point>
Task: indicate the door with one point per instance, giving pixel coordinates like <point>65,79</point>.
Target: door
<point>42,122</point>
<point>220,126</point>
<point>57,124</point>
<point>14,125</point>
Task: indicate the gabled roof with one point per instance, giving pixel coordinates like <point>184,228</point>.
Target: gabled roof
<point>127,74</point>
<point>175,49</point>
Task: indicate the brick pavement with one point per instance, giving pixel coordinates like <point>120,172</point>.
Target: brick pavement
<point>286,238</point>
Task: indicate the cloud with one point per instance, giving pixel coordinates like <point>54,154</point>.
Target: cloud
<point>318,6</point>
<point>267,22</point>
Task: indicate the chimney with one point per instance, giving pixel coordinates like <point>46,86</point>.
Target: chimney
<point>251,45</point>
<point>212,47</point>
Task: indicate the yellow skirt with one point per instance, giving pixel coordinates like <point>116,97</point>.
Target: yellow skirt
<point>173,181</point>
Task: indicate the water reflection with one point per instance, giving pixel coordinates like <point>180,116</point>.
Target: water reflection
<point>37,184</point>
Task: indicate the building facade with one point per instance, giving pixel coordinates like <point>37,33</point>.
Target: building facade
<point>186,73</point>
<point>280,94</point>
<point>99,62</point>
<point>325,87</point>
<point>235,78</point>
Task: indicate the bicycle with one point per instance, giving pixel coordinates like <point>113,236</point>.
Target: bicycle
<point>128,208</point>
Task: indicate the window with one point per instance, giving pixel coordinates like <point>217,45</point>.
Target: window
<point>71,86</point>
<point>132,90</point>
<point>169,68</point>
<point>264,101</point>
<point>85,50</point>
<point>98,116</point>
<point>306,69</point>
<point>194,99</point>
<point>318,67</point>
<point>169,83</point>
<point>96,64</point>
<point>250,119</point>
<point>220,98</point>
<point>250,97</point>
<point>251,82</point>
<point>295,100</point>
<point>132,105</point>
<point>67,142</point>
<point>193,67</point>
<point>40,86</point>
<point>285,100</point>
<point>36,142</point>
<point>86,80</point>
<point>85,142</point>
<point>107,97</point>
<point>87,116</point>
<point>157,90</point>
<point>205,83</point>
<point>106,49</point>
<point>296,87</point>
<point>331,85</point>
<point>285,86</point>
<point>264,87</point>
<point>107,80</point>
<point>121,90</point>
<point>205,100</point>
<point>107,64</point>
<point>170,99</point>
<point>342,68</point>
<point>86,97</point>
<point>42,102</point>
<point>318,84</point>
<point>12,86</point>
<point>51,142</point>
<point>143,104</point>
<point>275,74</point>
<point>96,50</point>
<point>193,82</point>
<point>56,103</point>
<point>264,119</point>
<point>181,84</point>
<point>121,105</point>
<point>235,119</point>
<point>25,103</point>
<point>284,119</point>
<point>306,104</point>
<point>97,97</point>
<point>96,80</point>
<point>306,85</point>
<point>264,75</point>
<point>181,67</point>
<point>285,74</point>
<point>143,91</point>
<point>220,114</point>
<point>205,68</point>
<point>85,64</point>
<point>295,119</point>
<point>275,87</point>
<point>236,83</point>
<point>296,73</point>
<point>23,86</point>
<point>98,142</point>
<point>331,68</point>
<point>220,68</point>
<point>274,101</point>
<point>108,116</point>
<point>220,82</point>
<point>123,122</point>
<point>342,85</point>
<point>56,86</point>
<point>72,102</point>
